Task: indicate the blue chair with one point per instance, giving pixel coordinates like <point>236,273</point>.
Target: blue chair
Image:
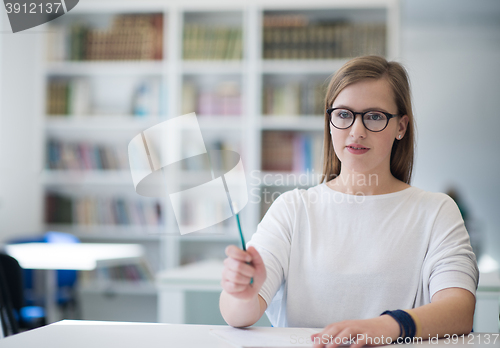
<point>66,279</point>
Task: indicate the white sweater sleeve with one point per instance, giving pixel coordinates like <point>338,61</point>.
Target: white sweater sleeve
<point>450,261</point>
<point>272,240</point>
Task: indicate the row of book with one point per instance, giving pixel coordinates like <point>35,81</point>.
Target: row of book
<point>66,97</point>
<point>287,151</point>
<point>130,37</point>
<point>85,156</point>
<point>294,98</point>
<point>324,41</point>
<point>92,210</point>
<point>139,272</point>
<point>223,99</point>
<point>209,42</point>
<point>285,20</point>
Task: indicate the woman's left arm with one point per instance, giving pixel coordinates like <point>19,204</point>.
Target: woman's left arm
<point>450,312</point>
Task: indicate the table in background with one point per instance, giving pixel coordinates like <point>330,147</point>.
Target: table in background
<point>486,317</point>
<point>206,276</point>
<point>78,256</point>
<point>174,284</point>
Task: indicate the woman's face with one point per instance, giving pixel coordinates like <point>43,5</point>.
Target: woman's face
<point>365,95</point>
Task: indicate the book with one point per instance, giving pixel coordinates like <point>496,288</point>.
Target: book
<point>130,37</point>
<point>298,37</point>
<point>286,151</point>
<point>293,98</point>
<point>84,156</point>
<point>221,99</point>
<point>211,42</point>
<point>101,211</point>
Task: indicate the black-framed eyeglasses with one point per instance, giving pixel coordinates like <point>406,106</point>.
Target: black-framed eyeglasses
<point>373,120</point>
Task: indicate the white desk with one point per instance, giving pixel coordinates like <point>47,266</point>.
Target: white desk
<point>79,334</point>
<point>78,256</point>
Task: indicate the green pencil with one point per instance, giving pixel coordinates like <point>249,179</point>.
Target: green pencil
<point>241,233</point>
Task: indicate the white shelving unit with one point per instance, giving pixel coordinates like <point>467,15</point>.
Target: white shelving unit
<point>250,74</point>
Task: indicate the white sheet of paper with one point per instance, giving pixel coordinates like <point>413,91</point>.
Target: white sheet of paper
<point>253,337</point>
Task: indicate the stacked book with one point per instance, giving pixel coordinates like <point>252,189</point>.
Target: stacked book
<point>85,156</point>
<point>85,211</point>
<point>130,37</point>
<point>209,42</point>
<point>221,100</point>
<point>294,98</point>
<point>296,37</point>
<point>68,97</point>
<point>285,151</point>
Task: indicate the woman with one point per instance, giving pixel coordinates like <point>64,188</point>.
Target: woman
<point>340,254</point>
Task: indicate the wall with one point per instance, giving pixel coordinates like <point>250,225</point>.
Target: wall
<point>452,52</point>
<point>20,133</point>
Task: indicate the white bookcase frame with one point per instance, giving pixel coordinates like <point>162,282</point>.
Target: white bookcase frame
<point>171,69</point>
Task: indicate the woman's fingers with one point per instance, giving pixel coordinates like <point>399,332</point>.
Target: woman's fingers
<point>244,272</point>
<point>236,253</point>
<point>239,267</point>
<point>344,337</point>
<point>355,333</point>
<point>236,277</point>
<point>231,287</point>
<point>329,336</point>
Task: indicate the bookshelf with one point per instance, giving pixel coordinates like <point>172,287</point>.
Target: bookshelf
<point>255,74</point>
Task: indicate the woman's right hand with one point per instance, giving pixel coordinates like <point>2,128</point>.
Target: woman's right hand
<point>237,274</point>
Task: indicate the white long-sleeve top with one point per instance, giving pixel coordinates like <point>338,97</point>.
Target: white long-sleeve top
<point>331,256</point>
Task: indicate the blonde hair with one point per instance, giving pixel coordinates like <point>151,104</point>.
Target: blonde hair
<point>373,67</point>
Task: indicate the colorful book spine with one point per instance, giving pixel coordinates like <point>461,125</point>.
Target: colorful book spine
<point>223,99</point>
<point>83,156</point>
<point>286,151</point>
<point>102,211</point>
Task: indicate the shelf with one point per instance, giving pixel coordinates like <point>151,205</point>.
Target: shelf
<point>138,67</point>
<point>216,67</point>
<point>298,123</point>
<point>128,123</point>
<point>110,232</point>
<point>183,84</point>
<point>140,233</point>
<point>302,66</point>
<point>95,177</point>
<point>100,122</point>
<point>235,122</point>
<point>221,235</point>
<point>110,177</point>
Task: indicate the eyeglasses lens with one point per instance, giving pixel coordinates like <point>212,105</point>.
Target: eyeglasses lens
<point>373,120</point>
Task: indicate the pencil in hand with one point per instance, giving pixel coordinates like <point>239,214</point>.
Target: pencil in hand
<point>235,209</point>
